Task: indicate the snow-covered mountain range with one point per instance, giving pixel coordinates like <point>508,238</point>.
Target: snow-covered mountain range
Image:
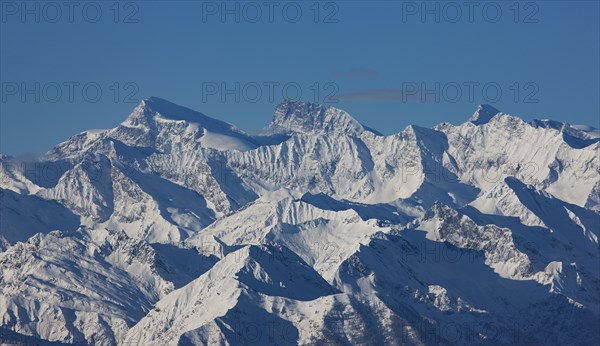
<point>175,228</point>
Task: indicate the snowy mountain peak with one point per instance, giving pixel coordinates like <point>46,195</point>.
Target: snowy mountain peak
<point>304,117</point>
<point>152,109</point>
<point>156,121</point>
<point>483,114</point>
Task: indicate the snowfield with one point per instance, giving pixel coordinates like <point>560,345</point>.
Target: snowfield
<point>175,228</point>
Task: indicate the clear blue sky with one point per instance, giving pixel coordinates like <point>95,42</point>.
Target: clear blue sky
<point>378,58</point>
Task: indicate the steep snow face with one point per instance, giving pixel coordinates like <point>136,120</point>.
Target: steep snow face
<point>322,238</point>
<point>538,208</point>
<point>84,286</point>
<point>357,166</point>
<point>577,136</point>
<point>176,228</point>
<point>23,216</point>
<point>502,199</point>
<point>505,146</point>
<point>244,280</point>
<point>429,286</point>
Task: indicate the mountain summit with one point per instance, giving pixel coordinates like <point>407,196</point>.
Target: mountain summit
<point>483,114</point>
<point>156,107</point>
<point>303,117</point>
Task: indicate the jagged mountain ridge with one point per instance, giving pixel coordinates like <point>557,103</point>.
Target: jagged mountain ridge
<point>377,220</point>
